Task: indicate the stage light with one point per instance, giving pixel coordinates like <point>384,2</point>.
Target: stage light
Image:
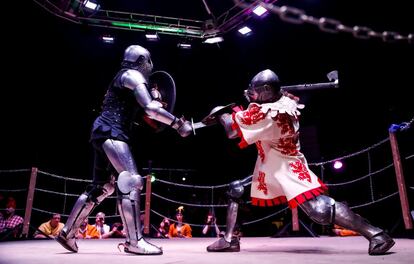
<point>213,40</point>
<point>183,178</point>
<point>91,5</point>
<point>245,30</point>
<point>259,10</point>
<point>184,45</point>
<point>108,39</point>
<point>152,36</point>
<point>337,165</point>
<point>153,178</point>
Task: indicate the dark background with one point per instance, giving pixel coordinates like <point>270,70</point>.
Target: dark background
<point>55,74</point>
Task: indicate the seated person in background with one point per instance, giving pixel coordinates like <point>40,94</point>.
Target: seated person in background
<point>87,231</point>
<point>210,229</point>
<point>49,229</point>
<point>10,223</point>
<point>180,229</point>
<point>100,225</point>
<point>164,228</point>
<point>340,231</point>
<point>117,231</point>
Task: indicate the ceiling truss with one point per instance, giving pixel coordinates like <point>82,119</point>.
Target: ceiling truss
<point>72,10</point>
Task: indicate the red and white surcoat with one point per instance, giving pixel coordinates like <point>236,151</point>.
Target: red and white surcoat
<point>281,172</point>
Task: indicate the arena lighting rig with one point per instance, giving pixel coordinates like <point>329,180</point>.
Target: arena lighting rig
<point>76,11</point>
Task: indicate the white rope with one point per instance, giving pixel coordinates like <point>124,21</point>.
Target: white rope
<point>211,187</point>
<point>377,201</point>
<point>13,190</point>
<point>189,204</point>
<point>192,186</point>
<point>361,178</point>
<point>61,177</point>
<point>18,170</point>
<point>350,155</point>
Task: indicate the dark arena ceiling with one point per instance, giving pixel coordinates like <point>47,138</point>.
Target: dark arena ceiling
<point>369,43</point>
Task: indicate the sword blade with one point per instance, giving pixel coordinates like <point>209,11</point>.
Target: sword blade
<point>200,124</point>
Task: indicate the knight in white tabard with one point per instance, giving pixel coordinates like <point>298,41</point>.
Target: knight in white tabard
<point>281,174</point>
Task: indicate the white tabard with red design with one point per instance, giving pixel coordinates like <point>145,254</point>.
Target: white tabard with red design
<point>281,172</point>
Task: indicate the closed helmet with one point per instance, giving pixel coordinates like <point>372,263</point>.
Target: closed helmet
<point>138,58</point>
<point>263,88</point>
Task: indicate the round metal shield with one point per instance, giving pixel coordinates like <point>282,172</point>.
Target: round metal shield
<point>165,85</point>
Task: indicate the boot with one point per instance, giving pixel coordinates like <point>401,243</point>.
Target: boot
<point>380,243</point>
<point>69,244</point>
<point>222,245</point>
<point>141,248</point>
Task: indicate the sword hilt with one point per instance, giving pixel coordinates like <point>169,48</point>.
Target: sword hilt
<point>192,126</point>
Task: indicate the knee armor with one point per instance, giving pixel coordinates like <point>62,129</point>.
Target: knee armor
<point>129,184</point>
<point>320,209</point>
<point>236,190</point>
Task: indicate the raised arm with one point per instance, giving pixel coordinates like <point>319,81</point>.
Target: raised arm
<point>136,82</point>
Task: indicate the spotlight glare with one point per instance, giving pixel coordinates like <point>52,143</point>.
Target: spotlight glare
<point>338,164</point>
<point>184,45</point>
<point>108,39</point>
<point>213,40</point>
<point>245,30</point>
<point>152,36</point>
<point>91,5</point>
<point>259,10</point>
